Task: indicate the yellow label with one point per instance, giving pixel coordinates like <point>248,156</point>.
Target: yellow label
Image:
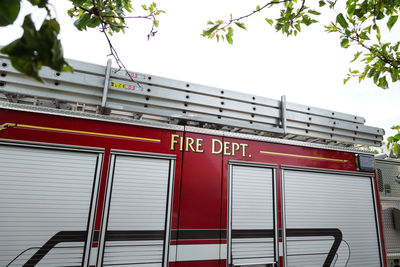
<point>118,85</point>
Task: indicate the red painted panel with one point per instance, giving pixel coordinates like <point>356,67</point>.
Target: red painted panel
<point>54,129</point>
<point>200,204</point>
<point>290,155</point>
<point>213,263</point>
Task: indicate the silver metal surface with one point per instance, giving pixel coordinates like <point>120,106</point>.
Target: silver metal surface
<point>252,208</point>
<point>169,212</point>
<point>57,187</point>
<point>331,201</point>
<point>229,230</point>
<point>186,103</point>
<point>283,205</point>
<point>283,113</point>
<point>104,220</point>
<point>92,211</point>
<point>106,83</point>
<point>275,198</point>
<point>140,200</point>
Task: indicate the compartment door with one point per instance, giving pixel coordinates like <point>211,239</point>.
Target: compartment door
<point>251,222</point>
<point>139,207</point>
<point>330,219</point>
<point>45,200</point>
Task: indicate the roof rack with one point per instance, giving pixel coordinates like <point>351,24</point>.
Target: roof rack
<point>105,90</point>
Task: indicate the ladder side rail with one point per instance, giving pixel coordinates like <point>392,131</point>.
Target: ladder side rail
<point>193,98</point>
<point>327,138</point>
<point>227,94</point>
<point>324,112</point>
<point>328,131</point>
<point>78,78</point>
<point>63,88</point>
<point>79,66</point>
<point>116,95</point>
<point>196,88</point>
<point>191,116</point>
<point>332,123</point>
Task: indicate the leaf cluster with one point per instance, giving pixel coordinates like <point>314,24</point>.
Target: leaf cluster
<point>393,141</point>
<point>36,48</point>
<point>360,26</point>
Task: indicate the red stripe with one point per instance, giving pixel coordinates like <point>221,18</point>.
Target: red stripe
<point>102,191</point>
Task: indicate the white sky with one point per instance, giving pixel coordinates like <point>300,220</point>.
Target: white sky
<point>308,69</point>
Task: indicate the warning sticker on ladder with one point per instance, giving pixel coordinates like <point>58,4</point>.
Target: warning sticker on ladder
<point>126,86</point>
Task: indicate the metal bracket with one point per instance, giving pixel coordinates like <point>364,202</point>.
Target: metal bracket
<point>106,84</point>
<point>283,113</point>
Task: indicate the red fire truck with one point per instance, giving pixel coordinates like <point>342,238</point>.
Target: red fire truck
<point>107,168</point>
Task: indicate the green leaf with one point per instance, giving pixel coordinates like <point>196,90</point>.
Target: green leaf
<point>39,3</point>
<point>395,150</point>
<point>78,2</point>
<point>82,22</point>
<point>392,20</point>
<point>346,80</point>
<point>342,21</point>
<point>93,22</point>
<point>9,10</point>
<point>356,56</point>
<point>383,83</point>
<point>270,21</point>
<point>322,3</point>
<point>211,30</point>
<point>351,9</point>
<point>258,8</point>
<point>380,16</point>
<point>241,25</point>
<point>344,43</point>
<point>314,12</point>
<point>364,36</point>
<point>297,26</point>
<point>229,35</point>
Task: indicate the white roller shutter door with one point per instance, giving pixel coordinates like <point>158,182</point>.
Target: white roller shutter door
<point>137,212</point>
<point>321,205</point>
<point>45,198</point>
<point>252,215</point>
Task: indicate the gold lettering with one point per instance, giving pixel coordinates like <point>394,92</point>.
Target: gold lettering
<point>174,141</point>
<point>227,148</point>
<point>189,143</point>
<point>214,146</point>
<point>235,147</point>
<point>199,145</point>
<point>181,144</point>
<point>244,146</point>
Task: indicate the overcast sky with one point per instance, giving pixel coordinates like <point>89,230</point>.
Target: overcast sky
<point>308,69</point>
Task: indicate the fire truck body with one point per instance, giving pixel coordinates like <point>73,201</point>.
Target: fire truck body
<point>78,190</point>
<point>85,189</point>
<point>388,175</point>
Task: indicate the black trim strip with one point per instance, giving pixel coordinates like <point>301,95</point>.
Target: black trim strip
<point>60,237</point>
<point>81,236</point>
<point>336,233</point>
<point>134,235</point>
<point>197,234</point>
<point>269,233</point>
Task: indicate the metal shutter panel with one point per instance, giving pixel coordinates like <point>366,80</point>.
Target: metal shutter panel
<point>252,209</point>
<point>323,200</point>
<point>138,205</point>
<point>43,192</point>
